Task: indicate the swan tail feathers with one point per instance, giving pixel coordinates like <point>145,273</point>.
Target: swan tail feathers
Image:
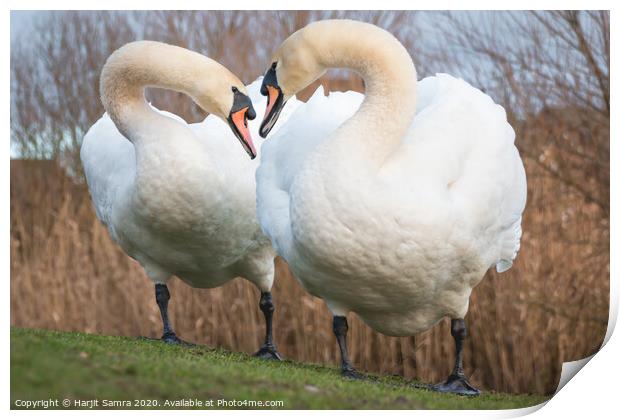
<point>503,266</point>
<point>511,243</point>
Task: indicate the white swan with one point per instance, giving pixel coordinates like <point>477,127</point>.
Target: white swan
<point>395,208</point>
<point>179,198</point>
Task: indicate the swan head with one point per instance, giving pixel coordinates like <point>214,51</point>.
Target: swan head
<point>374,53</point>
<point>240,112</point>
<point>294,66</point>
<point>230,102</point>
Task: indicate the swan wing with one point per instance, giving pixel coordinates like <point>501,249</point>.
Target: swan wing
<point>284,152</point>
<point>109,165</point>
<point>461,148</point>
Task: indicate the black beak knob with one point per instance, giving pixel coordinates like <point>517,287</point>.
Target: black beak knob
<point>270,79</point>
<point>251,113</point>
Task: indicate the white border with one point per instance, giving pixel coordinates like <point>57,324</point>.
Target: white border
<point>595,389</point>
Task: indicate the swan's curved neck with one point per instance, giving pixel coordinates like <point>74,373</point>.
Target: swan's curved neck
<point>138,65</point>
<point>389,74</point>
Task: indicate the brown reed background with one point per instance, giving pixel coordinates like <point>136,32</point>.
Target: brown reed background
<point>67,274</point>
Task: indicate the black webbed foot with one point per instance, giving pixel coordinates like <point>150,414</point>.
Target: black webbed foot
<point>352,374</point>
<point>456,384</point>
<point>268,353</point>
<point>171,338</point>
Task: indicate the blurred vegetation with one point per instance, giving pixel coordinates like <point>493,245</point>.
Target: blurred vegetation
<point>550,70</point>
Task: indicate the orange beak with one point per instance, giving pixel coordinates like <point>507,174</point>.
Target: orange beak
<point>272,95</point>
<point>275,103</point>
<point>239,124</point>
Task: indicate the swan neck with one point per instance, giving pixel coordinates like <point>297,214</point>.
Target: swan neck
<point>389,78</point>
<point>135,66</point>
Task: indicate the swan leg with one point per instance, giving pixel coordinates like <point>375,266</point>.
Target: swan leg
<point>457,382</point>
<point>341,327</point>
<point>268,350</point>
<point>162,296</point>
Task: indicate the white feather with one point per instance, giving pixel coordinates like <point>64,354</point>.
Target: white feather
<point>194,214</point>
<point>404,247</point>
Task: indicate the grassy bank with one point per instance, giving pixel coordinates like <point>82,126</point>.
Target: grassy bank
<point>76,366</point>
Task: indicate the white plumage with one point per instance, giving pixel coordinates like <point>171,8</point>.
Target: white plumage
<point>404,248</point>
<point>392,213</point>
<point>392,205</point>
<point>202,204</point>
<point>179,198</point>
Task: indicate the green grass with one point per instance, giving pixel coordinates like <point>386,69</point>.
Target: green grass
<point>76,366</point>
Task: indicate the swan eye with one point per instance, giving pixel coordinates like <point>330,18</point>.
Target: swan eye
<point>235,90</point>
<point>273,65</point>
